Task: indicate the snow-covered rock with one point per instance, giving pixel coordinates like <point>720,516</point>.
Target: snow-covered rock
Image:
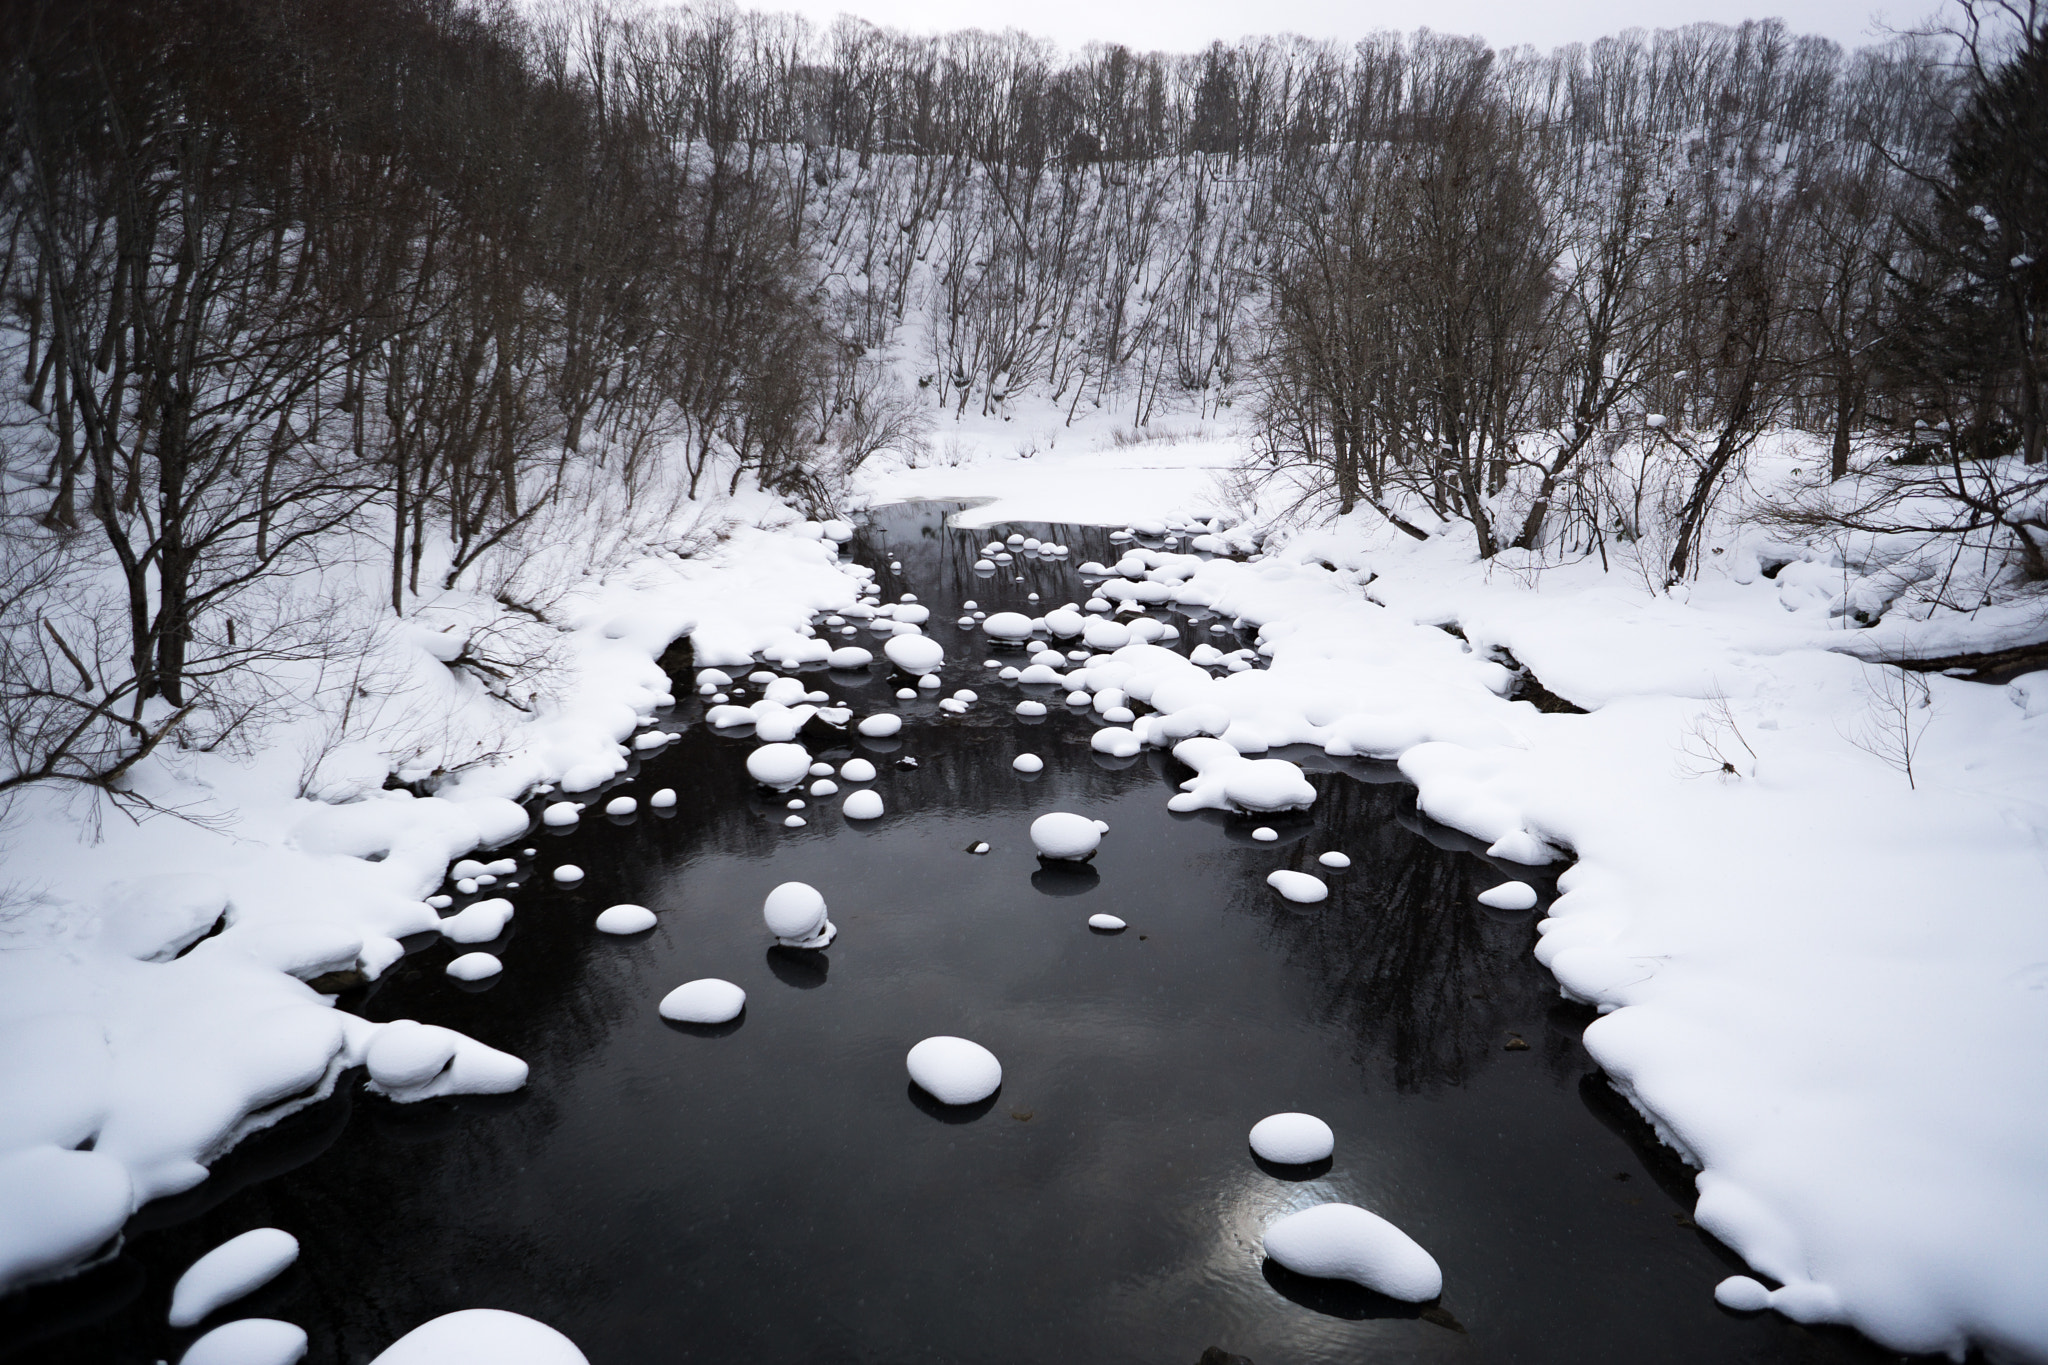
<point>1335,859</point>
<point>664,799</point>
<point>236,1267</point>
<point>954,1070</point>
<point>1292,1139</point>
<point>248,1341</point>
<point>707,1000</point>
<point>1225,779</point>
<point>1509,896</point>
<point>568,874</point>
<point>865,804</point>
<point>1345,1242</point>
<point>1064,835</point>
<point>1742,1294</point>
<point>474,967</point>
<point>849,657</point>
<point>1028,763</point>
<point>1108,924</point>
<point>795,914</point>
<point>914,653</point>
<point>881,725</point>
<point>779,766</point>
<point>857,770</point>
<point>1298,887</point>
<point>1008,625</point>
<point>482,1336</point>
<point>558,814</point>
<point>1116,741</point>
<point>1265,834</point>
<point>625,919</point>
<point>1030,708</point>
<point>478,922</point>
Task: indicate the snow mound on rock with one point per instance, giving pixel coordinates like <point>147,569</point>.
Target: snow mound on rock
<point>236,1267</point>
<point>560,813</point>
<point>482,1336</point>
<point>1065,835</point>
<point>1298,887</point>
<point>865,804</point>
<point>1509,896</point>
<point>1292,1139</point>
<point>625,919</point>
<point>914,653</point>
<point>1225,780</point>
<point>1028,763</point>
<point>1345,1242</point>
<point>795,914</point>
<point>1335,859</point>
<point>880,726</point>
<point>474,967</point>
<point>707,1000</point>
<point>248,1341</point>
<point>1108,924</point>
<point>780,766</point>
<point>857,770</point>
<point>1008,625</point>
<point>954,1070</point>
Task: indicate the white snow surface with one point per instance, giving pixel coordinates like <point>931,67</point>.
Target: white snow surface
<point>1292,1139</point>
<point>236,1267</point>
<point>248,1341</point>
<point>1824,987</point>
<point>1345,1242</point>
<point>955,1070</point>
<point>1063,834</point>
<point>482,1336</point>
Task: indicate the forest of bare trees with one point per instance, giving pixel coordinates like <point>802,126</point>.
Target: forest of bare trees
<point>289,284</point>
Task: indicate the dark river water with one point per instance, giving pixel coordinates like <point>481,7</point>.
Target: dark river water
<point>775,1190</point>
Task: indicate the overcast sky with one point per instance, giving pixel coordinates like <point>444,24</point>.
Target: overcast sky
<point>1184,25</point>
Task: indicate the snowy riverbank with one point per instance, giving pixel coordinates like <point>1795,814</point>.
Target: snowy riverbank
<point>1826,987</point>
<point>154,996</point>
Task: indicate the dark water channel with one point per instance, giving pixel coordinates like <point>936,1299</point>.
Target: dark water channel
<point>775,1191</point>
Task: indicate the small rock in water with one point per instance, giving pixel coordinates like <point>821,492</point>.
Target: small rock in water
<point>865,804</point>
<point>967,695</point>
<point>1334,859</point>
<point>914,653</point>
<point>794,822</point>
<point>1030,708</point>
<point>954,1070</point>
<point>824,786</point>
<point>1108,924</point>
<point>568,872</point>
<point>625,919</point>
<point>1509,896</point>
<point>248,1341</point>
<point>466,886</point>
<point>1064,835</point>
<point>707,1000</point>
<point>1265,834</point>
<point>857,770</point>
<point>795,914</point>
<point>797,804</point>
<point>906,762</point>
<point>621,805</point>
<point>821,770</point>
<point>1292,1139</point>
<point>906,694</point>
<point>977,847</point>
<point>1345,1242</point>
<point>880,725</point>
<point>482,1336</point>
<point>1079,699</point>
<point>474,967</point>
<point>780,766</point>
<point>1298,887</point>
<point>663,799</point>
<point>1028,763</point>
<point>236,1267</point>
<point>930,681</point>
<point>1742,1294</point>
<point>560,813</point>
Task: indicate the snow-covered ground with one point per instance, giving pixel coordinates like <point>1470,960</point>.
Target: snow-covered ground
<point>1827,987</point>
<point>155,1003</point>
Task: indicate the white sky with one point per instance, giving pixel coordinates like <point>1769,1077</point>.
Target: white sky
<point>1185,25</point>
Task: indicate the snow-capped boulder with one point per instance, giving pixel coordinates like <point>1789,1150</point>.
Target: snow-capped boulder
<point>1008,625</point>
<point>1335,859</point>
<point>1345,1242</point>
<point>560,814</point>
<point>625,919</point>
<point>707,1000</point>
<point>248,1341</point>
<point>482,1336</point>
<point>865,804</point>
<point>857,770</point>
<point>795,914</point>
<point>780,766</point>
<point>1226,780</point>
<point>1063,835</point>
<point>1298,887</point>
<point>236,1267</point>
<point>478,922</point>
<point>880,725</point>
<point>1509,896</point>
<point>849,657</point>
<point>914,653</point>
<point>954,1070</point>
<point>1028,763</point>
<point>474,967</point>
<point>1292,1139</point>
<point>1108,924</point>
